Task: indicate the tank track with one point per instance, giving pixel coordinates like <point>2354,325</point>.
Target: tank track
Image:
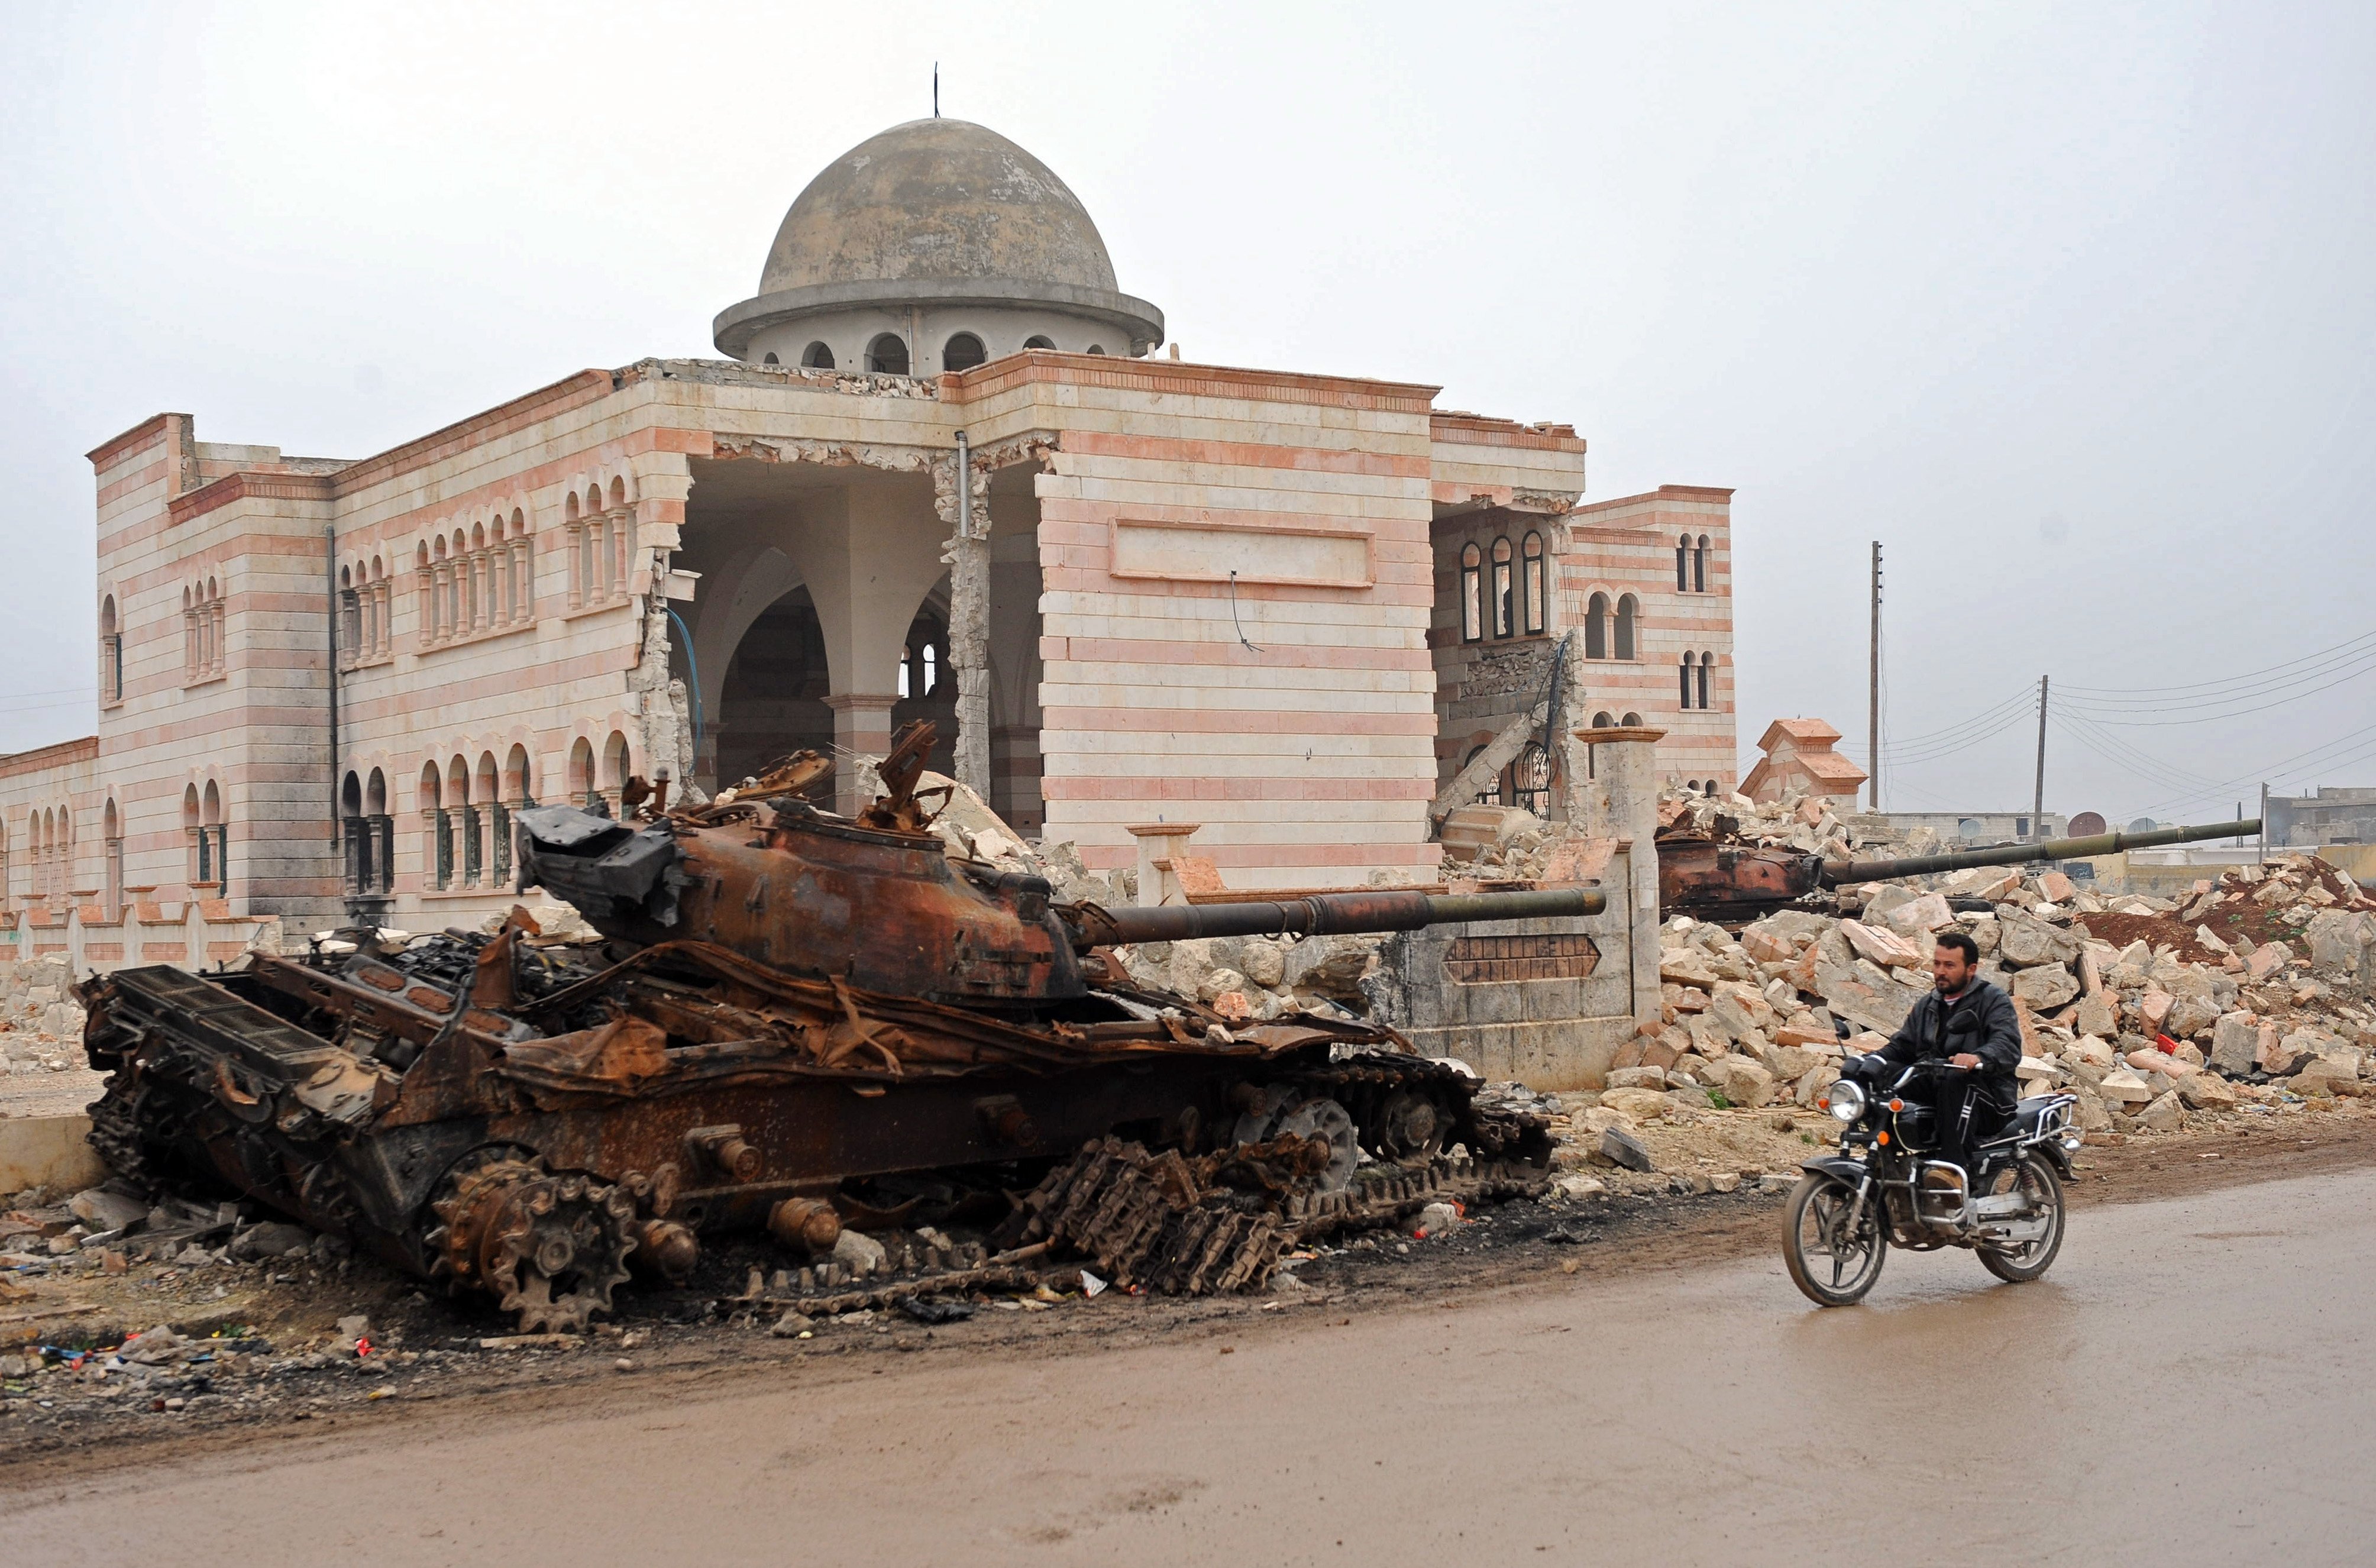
<point>1374,1085</point>
<point>117,1132</point>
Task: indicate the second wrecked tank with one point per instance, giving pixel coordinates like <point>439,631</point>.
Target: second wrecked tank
<point>792,1013</point>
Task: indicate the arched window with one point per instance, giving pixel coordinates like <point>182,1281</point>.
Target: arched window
<point>887,355</point>
<point>819,356</point>
<point>1631,721</point>
<point>1037,341</point>
<point>437,828</point>
<point>111,653</point>
<point>1684,583</point>
<point>1708,788</point>
<point>1527,781</point>
<point>1706,660</point>
<point>519,778</point>
<point>962,351</point>
<point>772,358</point>
<point>1533,583</point>
<point>1699,566</point>
<point>1472,593</point>
<point>1506,619</point>
<point>1601,720</point>
<point>1095,349</point>
<point>1596,626</point>
<point>615,764</point>
<point>113,843</point>
<point>1687,681</point>
<point>581,774</point>
<point>1628,608</point>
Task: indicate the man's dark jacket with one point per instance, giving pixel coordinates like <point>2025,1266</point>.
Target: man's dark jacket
<point>1982,1021</point>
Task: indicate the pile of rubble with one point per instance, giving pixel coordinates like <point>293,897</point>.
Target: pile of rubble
<point>2251,992</point>
<point>40,1023</point>
<point>1807,822</point>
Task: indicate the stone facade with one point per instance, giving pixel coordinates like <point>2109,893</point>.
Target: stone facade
<point>1155,590</point>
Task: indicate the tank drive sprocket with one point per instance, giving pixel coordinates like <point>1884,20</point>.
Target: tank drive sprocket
<point>549,1246</point>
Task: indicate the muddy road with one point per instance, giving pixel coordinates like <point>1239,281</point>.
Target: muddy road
<point>2187,1386</point>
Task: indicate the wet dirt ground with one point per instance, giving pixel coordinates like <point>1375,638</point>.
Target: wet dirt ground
<point>2184,1387</point>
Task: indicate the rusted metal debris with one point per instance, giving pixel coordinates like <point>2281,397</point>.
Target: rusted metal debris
<point>788,1004</point>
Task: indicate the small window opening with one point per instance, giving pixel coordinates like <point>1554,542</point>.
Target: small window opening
<point>1533,589</point>
<point>887,355</point>
<point>1699,566</point>
<point>1504,594</point>
<point>1683,573</point>
<point>772,358</point>
<point>816,356</point>
<point>1037,341</point>
<point>1472,594</point>
<point>1628,609</point>
<point>962,352</point>
<point>1687,681</point>
<point>1596,626</point>
<point>1096,349</point>
<point>1706,661</point>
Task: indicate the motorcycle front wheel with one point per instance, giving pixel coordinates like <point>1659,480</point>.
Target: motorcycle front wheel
<point>2036,1180</point>
<point>1831,1267</point>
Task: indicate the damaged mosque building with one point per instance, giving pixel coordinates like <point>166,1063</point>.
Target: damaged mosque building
<point>943,469</point>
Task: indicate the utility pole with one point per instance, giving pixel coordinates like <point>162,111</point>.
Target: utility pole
<point>2038,802</point>
<point>1872,710</point>
<point>2264,821</point>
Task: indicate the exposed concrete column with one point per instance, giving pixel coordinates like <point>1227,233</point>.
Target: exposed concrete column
<point>961,495</point>
<point>862,728</point>
<point>866,554</point>
<point>1621,800</point>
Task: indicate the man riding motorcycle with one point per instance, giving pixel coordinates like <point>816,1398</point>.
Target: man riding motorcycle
<point>1967,1023</point>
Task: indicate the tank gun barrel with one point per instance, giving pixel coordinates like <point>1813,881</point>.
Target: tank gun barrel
<point>1841,874</point>
<point>1329,914</point>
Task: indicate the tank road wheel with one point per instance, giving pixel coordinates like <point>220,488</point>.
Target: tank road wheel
<point>549,1247</point>
<point>1283,1109</point>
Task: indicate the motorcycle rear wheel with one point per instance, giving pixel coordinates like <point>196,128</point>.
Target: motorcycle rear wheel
<point>2018,1265</point>
<point>1831,1267</point>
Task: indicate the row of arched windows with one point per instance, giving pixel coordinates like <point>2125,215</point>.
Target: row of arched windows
<point>1700,786</point>
<point>1691,565</point>
<point>1694,679</point>
<point>886,354</point>
<point>1598,643</point>
<point>479,581</point>
<point>599,537</point>
<point>202,631</point>
<point>1518,597</point>
<point>210,836</point>
<point>364,606</point>
<point>466,811</point>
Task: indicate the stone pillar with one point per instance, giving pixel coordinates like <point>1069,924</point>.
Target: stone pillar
<point>1620,799</point>
<point>961,495</point>
<point>862,728</point>
<point>1158,843</point>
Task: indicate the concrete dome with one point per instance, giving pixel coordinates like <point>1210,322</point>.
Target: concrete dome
<point>938,215</point>
<point>936,199</point>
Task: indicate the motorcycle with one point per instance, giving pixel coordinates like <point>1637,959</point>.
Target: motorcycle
<point>1886,1188</point>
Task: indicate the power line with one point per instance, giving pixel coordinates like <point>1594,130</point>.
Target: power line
<point>2247,677</point>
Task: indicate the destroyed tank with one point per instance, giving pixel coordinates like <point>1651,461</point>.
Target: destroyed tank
<point>1711,879</point>
<point>792,1016</point>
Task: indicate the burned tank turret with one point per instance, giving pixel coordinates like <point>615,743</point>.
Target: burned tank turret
<point>1714,880</point>
<point>788,1004</point>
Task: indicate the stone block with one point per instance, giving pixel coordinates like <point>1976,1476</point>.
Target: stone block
<point>1883,946</point>
<point>2046,985</point>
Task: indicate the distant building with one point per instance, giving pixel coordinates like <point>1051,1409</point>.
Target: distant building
<point>2331,816</point>
<point>1799,760</point>
<point>1971,829</point>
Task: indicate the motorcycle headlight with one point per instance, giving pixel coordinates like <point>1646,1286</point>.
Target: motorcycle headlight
<point>1845,1100</point>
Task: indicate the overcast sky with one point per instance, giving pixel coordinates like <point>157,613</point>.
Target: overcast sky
<point>2072,307</point>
